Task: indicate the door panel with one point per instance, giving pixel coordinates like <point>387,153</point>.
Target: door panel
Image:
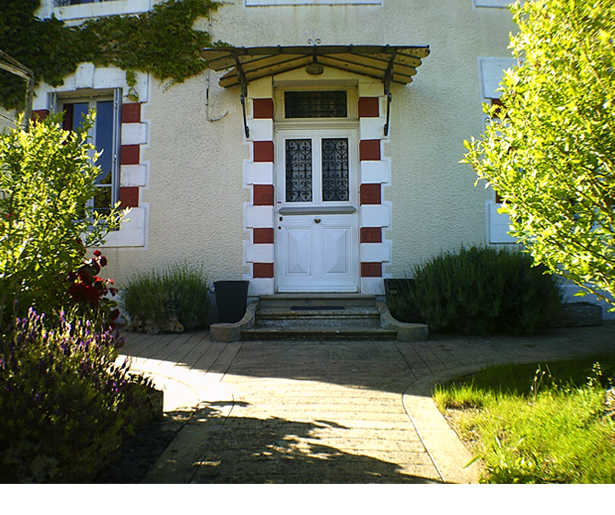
<point>298,252</point>
<point>317,247</point>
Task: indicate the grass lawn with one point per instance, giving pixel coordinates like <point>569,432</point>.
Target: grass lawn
<point>538,423</point>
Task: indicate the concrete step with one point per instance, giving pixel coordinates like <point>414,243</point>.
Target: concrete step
<point>309,333</point>
<point>317,316</point>
<point>322,300</point>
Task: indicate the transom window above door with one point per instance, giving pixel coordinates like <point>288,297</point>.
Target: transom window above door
<point>315,104</point>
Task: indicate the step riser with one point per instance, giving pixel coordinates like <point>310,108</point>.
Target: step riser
<point>254,335</point>
<point>287,301</point>
<point>317,321</point>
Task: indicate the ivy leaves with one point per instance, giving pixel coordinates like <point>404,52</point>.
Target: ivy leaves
<point>162,42</point>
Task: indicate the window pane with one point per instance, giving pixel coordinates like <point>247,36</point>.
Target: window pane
<point>335,169</point>
<point>104,140</point>
<point>315,104</point>
<point>298,170</point>
<point>79,111</point>
<point>102,199</point>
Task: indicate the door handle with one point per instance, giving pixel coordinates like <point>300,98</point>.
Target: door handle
<point>317,220</point>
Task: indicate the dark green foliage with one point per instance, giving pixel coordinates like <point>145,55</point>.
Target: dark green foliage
<point>480,290</point>
<point>161,42</point>
<point>63,397</point>
<point>174,298</point>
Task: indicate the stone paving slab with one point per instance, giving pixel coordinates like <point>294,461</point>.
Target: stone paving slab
<point>326,412</point>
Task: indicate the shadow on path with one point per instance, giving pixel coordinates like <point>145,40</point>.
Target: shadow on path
<point>236,449</point>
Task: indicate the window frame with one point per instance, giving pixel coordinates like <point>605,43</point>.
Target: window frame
<point>59,100</point>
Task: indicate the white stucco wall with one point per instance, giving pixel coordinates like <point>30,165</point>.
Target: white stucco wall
<point>195,191</point>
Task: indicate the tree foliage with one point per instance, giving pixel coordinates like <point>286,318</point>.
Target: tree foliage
<point>550,150</point>
<point>46,180</point>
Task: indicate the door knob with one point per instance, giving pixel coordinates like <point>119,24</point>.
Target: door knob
<point>317,220</point>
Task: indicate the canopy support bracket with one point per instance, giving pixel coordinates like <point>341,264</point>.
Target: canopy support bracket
<point>241,77</point>
<point>388,78</point>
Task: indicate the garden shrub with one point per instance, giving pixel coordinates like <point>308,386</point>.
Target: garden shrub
<point>174,298</point>
<point>480,290</point>
<point>64,399</point>
<point>46,181</point>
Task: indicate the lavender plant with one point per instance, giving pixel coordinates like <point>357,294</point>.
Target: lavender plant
<point>62,396</point>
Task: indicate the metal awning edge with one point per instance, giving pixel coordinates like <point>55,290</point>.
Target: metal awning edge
<point>368,60</point>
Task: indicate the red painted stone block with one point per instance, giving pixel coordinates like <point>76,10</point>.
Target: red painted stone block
<point>369,150</point>
<point>371,269</point>
<point>263,151</point>
<point>263,194</point>
<point>41,114</point>
<point>131,113</point>
<point>129,196</point>
<point>371,235</point>
<point>370,194</point>
<point>262,235</point>
<point>262,108</point>
<point>262,270</point>
<point>368,107</point>
<point>130,155</point>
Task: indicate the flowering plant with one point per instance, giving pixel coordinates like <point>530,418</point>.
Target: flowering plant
<point>89,292</point>
<point>64,397</point>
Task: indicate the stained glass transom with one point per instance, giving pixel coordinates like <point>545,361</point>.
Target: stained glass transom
<point>335,169</point>
<point>315,104</point>
<point>298,170</point>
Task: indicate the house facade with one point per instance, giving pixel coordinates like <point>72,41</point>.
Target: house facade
<point>319,153</point>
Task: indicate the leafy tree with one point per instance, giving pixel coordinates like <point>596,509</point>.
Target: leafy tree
<point>549,151</point>
<point>46,180</point>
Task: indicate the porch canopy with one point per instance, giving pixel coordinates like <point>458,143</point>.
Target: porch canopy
<point>387,63</point>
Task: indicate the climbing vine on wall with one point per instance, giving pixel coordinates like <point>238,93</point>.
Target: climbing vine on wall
<point>162,42</point>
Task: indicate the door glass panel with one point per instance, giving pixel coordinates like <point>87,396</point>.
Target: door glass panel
<point>315,104</point>
<point>335,169</point>
<point>298,170</point>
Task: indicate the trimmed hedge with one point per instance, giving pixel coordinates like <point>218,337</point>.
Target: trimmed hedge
<point>479,290</point>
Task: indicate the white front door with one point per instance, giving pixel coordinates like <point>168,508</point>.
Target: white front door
<point>317,244</point>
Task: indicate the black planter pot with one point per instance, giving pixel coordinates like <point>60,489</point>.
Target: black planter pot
<point>231,299</point>
<point>399,301</point>
<point>395,286</point>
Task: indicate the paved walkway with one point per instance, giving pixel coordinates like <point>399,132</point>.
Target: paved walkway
<point>324,412</point>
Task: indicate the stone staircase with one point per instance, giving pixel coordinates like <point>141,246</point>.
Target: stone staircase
<point>318,317</point>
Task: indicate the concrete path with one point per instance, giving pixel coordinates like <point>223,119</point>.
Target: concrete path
<point>324,412</point>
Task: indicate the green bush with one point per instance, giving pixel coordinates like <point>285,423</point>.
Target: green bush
<point>64,399</point>
<point>480,290</point>
<point>46,180</point>
<point>174,298</point>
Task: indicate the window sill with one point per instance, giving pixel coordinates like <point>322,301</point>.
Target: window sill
<point>263,3</point>
<point>98,9</point>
